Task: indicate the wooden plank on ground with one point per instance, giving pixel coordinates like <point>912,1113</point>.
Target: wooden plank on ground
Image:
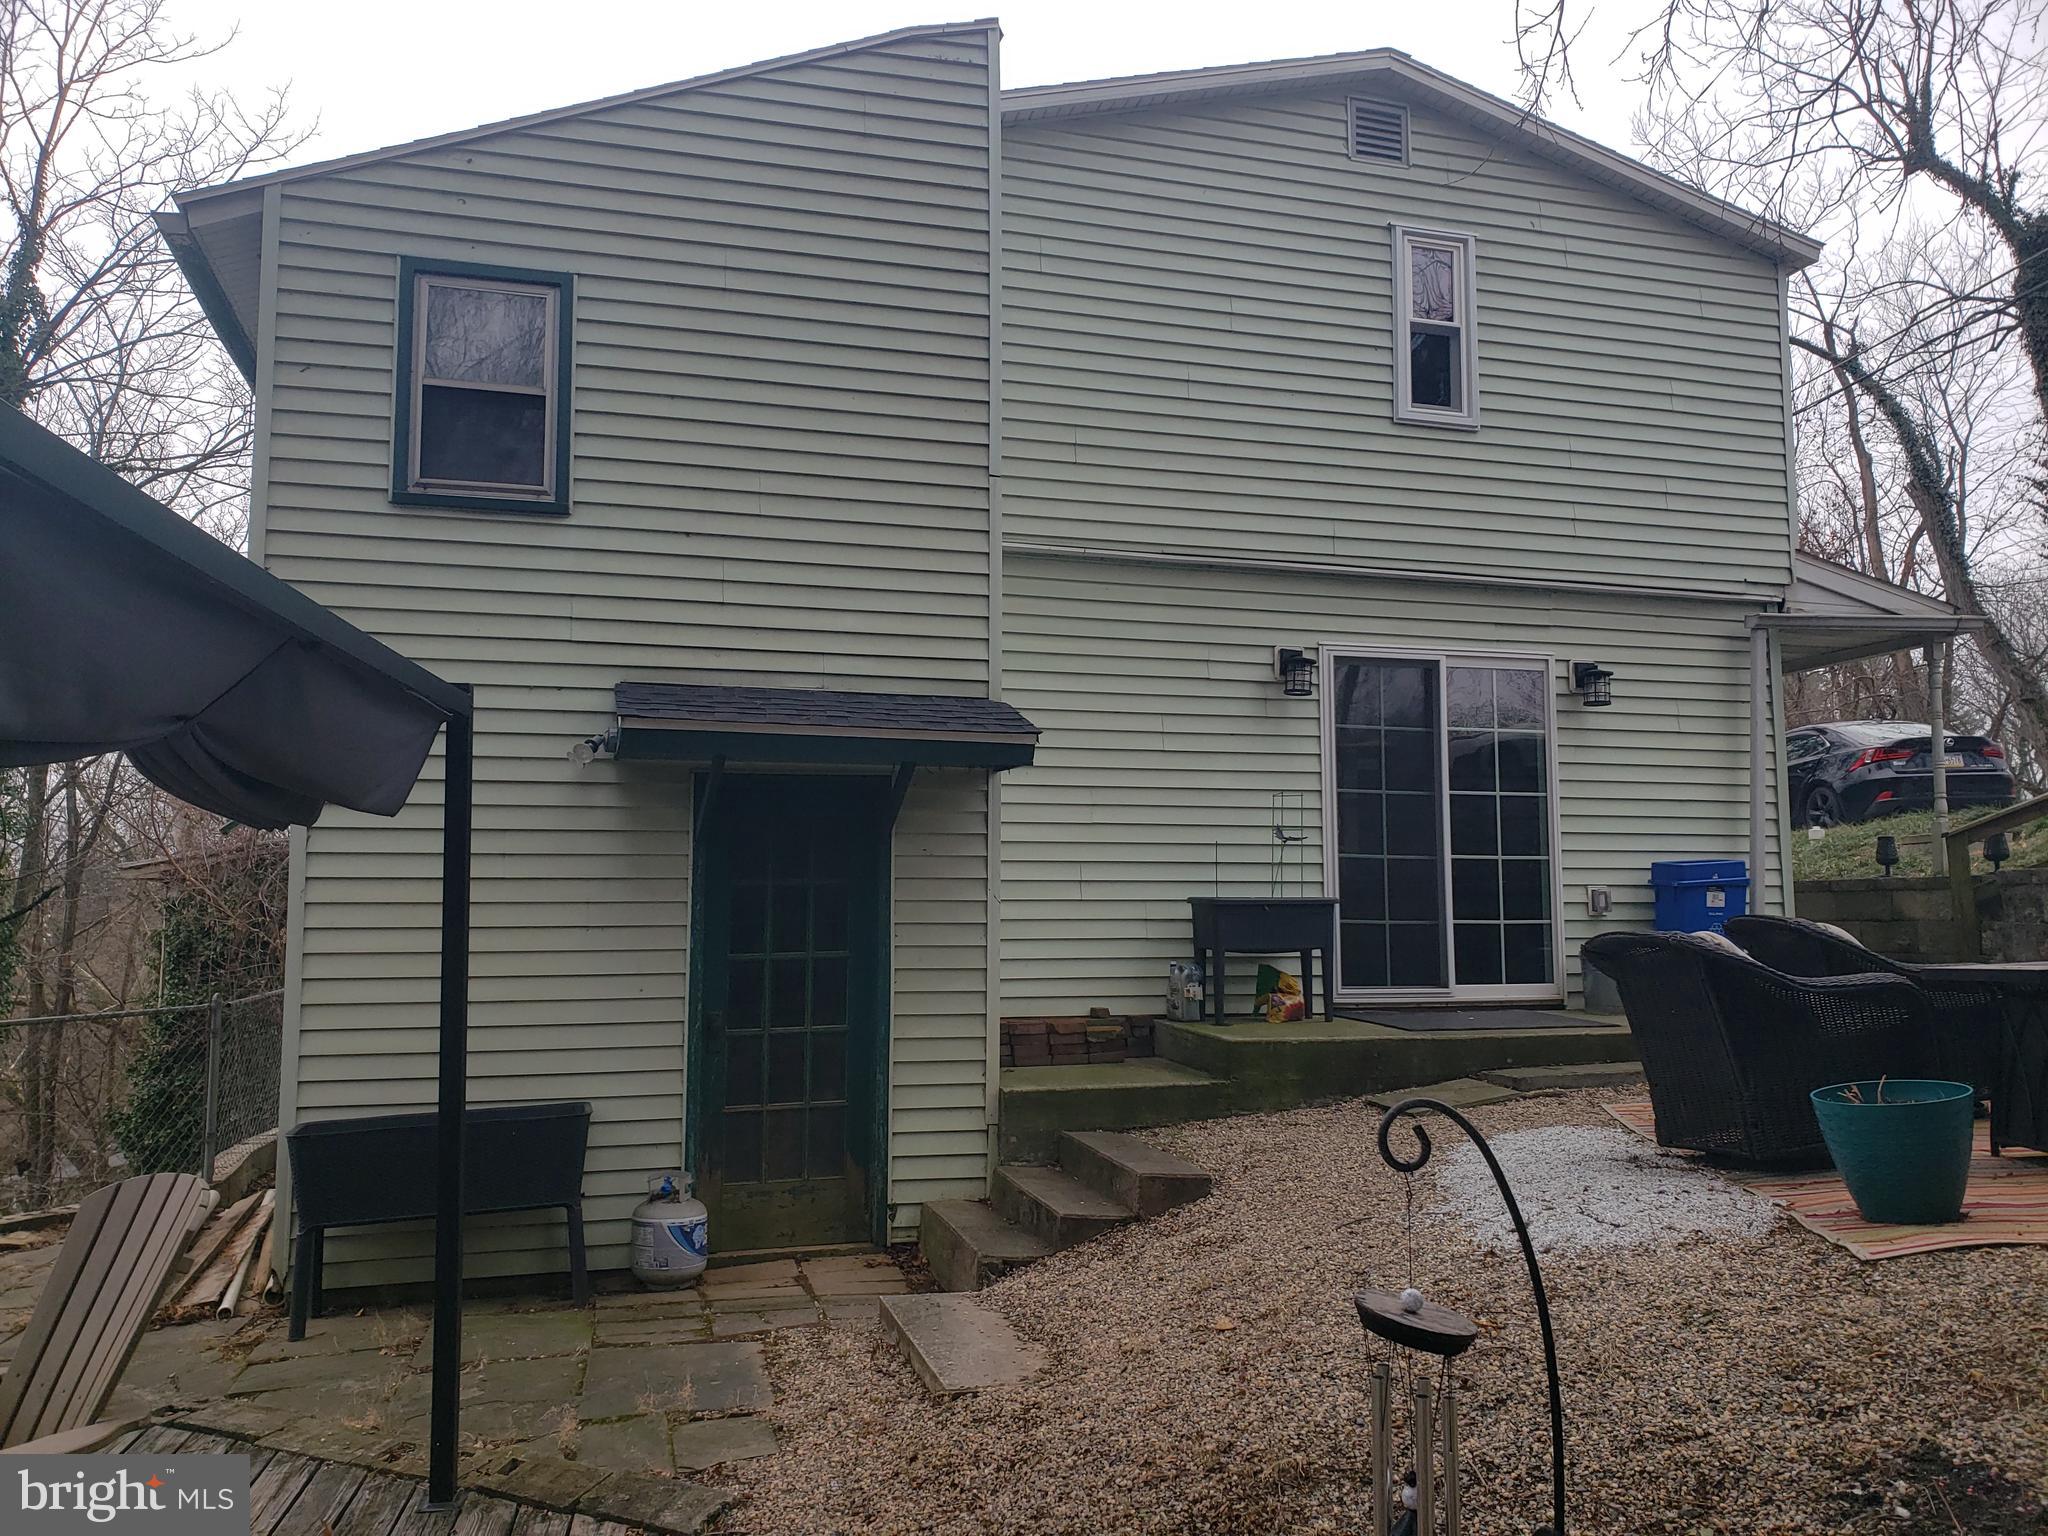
<point>534,1521</point>
<point>199,1295</point>
<point>271,1491</point>
<point>378,1505</point>
<point>321,1504</point>
<point>483,1515</point>
<point>212,1237</point>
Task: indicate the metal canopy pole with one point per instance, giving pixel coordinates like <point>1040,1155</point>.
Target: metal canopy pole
<point>1759,685</point>
<point>443,1419</point>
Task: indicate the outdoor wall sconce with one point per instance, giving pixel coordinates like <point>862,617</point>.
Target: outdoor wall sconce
<point>1887,854</point>
<point>1997,848</point>
<point>585,751</point>
<point>1297,670</point>
<point>1593,683</point>
<point>1407,1321</point>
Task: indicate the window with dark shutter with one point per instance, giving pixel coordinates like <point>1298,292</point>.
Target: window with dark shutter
<point>1379,131</point>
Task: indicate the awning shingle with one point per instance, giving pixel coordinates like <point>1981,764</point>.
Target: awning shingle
<point>700,721</point>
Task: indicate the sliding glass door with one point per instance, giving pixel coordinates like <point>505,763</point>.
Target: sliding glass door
<point>1438,824</point>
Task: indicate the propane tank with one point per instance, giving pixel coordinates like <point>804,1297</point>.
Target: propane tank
<point>670,1245</point>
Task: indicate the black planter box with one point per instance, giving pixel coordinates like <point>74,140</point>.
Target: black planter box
<point>381,1168</point>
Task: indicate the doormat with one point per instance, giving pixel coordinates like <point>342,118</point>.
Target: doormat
<point>1432,1019</point>
<point>2006,1200</point>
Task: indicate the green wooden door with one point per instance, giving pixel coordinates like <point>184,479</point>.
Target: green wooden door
<point>788,1058</point>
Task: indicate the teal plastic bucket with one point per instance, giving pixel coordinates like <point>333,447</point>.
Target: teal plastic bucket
<point>1904,1149</point>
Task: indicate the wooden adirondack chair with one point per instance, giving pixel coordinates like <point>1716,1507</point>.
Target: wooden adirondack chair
<point>100,1296</point>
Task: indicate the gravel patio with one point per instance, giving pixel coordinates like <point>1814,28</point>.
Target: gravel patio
<point>1207,1373</point>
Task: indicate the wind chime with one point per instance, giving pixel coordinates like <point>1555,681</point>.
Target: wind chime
<point>1422,1332</point>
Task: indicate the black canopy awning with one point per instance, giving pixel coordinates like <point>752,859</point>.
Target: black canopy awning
<point>123,628</point>
<point>697,722</point>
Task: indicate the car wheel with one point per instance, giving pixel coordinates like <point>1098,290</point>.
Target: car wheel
<point>1823,807</point>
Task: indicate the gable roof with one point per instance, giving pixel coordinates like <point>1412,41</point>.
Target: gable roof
<point>1191,87</point>
<point>215,232</point>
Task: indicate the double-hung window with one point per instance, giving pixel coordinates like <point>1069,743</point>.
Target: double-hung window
<point>482,417</point>
<point>1435,338</point>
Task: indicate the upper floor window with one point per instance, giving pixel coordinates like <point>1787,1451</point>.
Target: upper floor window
<point>483,388</point>
<point>1435,338</point>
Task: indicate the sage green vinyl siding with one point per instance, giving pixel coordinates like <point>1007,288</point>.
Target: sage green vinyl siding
<point>1196,356</point>
<point>1156,774</point>
<point>780,476</point>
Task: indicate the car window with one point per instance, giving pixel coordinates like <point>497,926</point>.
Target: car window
<point>1807,744</point>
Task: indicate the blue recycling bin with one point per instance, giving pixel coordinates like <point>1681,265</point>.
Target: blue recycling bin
<point>1695,895</point>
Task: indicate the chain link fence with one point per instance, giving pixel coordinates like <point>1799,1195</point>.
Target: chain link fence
<point>92,1097</point>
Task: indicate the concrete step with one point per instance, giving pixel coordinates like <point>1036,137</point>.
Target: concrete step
<point>969,1246</point>
<point>1037,1103</point>
<point>1053,1205</point>
<point>1611,1074</point>
<point>1133,1173</point>
<point>956,1345</point>
<point>1459,1093</point>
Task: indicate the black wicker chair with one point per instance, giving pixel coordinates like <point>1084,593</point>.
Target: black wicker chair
<point>1967,1009</point>
<point>1733,1049</point>
<point>2019,1094</point>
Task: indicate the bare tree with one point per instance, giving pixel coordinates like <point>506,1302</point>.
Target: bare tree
<point>1877,122</point>
<point>101,341</point>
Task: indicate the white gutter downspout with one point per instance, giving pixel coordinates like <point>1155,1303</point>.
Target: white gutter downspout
<point>1759,715</point>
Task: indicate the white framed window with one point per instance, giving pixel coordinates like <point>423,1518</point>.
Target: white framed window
<point>483,388</point>
<point>1436,352</point>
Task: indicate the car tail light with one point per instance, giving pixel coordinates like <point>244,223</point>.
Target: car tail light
<point>1991,749</point>
<point>1871,755</point>
<point>1883,794</point>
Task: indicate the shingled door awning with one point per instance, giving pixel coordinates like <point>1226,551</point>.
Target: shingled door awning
<point>698,722</point>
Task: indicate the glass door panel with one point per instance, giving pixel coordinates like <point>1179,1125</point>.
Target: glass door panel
<point>1497,720</point>
<point>1386,727</point>
<point>1442,845</point>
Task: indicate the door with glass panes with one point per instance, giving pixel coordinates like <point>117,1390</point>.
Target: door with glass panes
<point>787,1053</point>
<point>1439,838</point>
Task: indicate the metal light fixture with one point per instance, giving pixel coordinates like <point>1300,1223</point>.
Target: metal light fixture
<point>585,751</point>
<point>1887,854</point>
<point>1594,683</point>
<point>1997,848</point>
<point>1297,669</point>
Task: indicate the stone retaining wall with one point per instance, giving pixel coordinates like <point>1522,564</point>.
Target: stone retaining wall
<point>1912,920</point>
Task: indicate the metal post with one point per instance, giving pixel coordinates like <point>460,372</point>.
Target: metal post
<point>1382,1448</point>
<point>1453,1503</point>
<point>211,1129</point>
<point>444,1415</point>
<point>1937,749</point>
<point>1759,737</point>
<point>1425,1461</point>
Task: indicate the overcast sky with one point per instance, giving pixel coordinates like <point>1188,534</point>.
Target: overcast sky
<point>377,72</point>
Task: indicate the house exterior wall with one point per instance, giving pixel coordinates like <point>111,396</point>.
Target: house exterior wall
<point>780,475</point>
<point>1167,737</point>
<point>1201,463</point>
<point>1197,357</point>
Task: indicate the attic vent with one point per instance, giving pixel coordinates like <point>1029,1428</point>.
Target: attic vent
<point>1379,131</point>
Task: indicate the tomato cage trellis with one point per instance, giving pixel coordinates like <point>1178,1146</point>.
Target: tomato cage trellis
<point>1415,1325</point>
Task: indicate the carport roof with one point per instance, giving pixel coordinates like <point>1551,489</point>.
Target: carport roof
<point>1833,614</point>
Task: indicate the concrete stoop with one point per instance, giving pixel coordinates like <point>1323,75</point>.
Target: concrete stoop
<point>1103,1180</point>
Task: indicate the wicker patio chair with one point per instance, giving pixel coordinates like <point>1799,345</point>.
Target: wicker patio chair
<point>1967,1010</point>
<point>2019,1095</point>
<point>1733,1048</point>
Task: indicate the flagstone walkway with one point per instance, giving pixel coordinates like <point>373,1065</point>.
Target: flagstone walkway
<point>611,1411</point>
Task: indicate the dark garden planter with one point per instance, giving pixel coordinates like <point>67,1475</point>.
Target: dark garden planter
<point>1901,1144</point>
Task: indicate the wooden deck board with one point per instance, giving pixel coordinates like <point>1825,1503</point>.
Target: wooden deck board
<point>539,1522</point>
<point>272,1491</point>
<point>321,1504</point>
<point>378,1505</point>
